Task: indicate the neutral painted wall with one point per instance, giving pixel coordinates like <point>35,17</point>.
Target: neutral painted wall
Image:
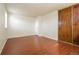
<point>3,37</point>
<point>49,25</point>
<point>19,25</point>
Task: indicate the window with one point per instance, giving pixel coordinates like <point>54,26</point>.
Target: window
<point>5,19</point>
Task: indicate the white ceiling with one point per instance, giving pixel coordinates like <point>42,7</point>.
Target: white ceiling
<point>35,9</point>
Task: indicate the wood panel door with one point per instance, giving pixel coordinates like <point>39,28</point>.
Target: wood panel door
<point>76,24</point>
<point>65,25</point>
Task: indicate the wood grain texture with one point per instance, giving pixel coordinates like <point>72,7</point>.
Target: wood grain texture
<point>76,24</point>
<point>69,24</point>
<point>37,45</point>
<point>65,24</point>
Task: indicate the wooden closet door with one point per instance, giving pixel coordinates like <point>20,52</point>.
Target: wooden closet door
<point>65,25</point>
<point>76,24</point>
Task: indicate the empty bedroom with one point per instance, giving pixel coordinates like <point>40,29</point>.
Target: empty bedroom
<point>39,29</point>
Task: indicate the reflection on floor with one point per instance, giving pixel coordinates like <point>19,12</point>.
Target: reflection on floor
<point>38,45</point>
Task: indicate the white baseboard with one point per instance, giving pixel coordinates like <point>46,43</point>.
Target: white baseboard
<point>49,37</point>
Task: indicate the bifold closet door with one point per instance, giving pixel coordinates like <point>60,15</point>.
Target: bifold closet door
<point>65,25</point>
<point>76,24</point>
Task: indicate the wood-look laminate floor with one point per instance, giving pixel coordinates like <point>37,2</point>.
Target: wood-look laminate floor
<point>38,45</point>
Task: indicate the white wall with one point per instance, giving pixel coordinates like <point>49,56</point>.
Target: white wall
<point>49,25</point>
<point>19,25</point>
<point>46,25</point>
<point>3,37</point>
